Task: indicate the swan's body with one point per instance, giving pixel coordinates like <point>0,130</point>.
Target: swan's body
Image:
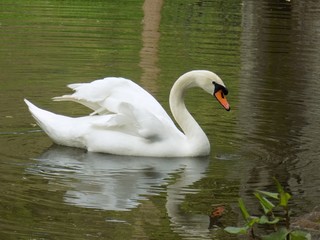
<point>127,120</point>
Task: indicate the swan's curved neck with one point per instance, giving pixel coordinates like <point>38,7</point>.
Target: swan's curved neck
<point>193,132</point>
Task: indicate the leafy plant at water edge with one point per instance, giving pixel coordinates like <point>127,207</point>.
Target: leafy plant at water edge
<point>266,200</point>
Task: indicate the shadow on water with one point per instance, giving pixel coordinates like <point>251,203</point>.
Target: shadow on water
<point>120,183</point>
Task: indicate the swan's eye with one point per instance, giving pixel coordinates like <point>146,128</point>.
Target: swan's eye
<point>218,87</point>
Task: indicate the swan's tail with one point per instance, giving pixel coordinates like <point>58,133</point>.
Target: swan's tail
<point>43,118</point>
<point>59,128</point>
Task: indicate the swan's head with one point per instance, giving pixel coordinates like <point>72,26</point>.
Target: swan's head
<point>212,83</point>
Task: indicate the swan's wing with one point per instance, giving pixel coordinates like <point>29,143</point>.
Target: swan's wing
<point>106,95</point>
<point>140,112</point>
<point>134,121</point>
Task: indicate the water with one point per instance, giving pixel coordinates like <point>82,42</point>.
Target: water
<point>266,52</point>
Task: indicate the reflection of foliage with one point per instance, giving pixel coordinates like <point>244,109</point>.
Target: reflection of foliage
<point>269,217</point>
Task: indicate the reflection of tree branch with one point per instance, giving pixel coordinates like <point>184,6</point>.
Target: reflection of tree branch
<point>150,39</point>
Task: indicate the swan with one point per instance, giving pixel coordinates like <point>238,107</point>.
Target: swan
<point>127,120</point>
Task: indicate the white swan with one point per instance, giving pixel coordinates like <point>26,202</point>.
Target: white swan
<point>127,120</point>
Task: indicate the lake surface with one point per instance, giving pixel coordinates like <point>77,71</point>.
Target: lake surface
<point>267,53</point>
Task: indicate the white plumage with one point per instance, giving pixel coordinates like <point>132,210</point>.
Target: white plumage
<point>127,120</point>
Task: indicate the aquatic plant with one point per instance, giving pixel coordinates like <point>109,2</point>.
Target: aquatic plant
<point>276,213</point>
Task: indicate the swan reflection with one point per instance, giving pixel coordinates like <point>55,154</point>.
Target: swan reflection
<point>110,182</point>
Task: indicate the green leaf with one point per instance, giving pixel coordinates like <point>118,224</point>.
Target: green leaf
<point>300,235</point>
<point>264,220</point>
<point>252,220</point>
<point>281,234</point>
<point>269,194</point>
<point>284,196</point>
<point>236,230</point>
<point>284,199</point>
<point>243,209</point>
<point>267,206</point>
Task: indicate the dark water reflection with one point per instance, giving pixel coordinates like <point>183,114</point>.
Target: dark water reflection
<point>279,104</point>
<point>268,54</point>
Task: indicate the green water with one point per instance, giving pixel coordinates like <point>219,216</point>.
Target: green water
<point>266,53</point>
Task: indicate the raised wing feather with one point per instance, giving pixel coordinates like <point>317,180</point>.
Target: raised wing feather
<point>139,110</point>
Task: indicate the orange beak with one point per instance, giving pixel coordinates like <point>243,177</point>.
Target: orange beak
<point>222,99</point>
